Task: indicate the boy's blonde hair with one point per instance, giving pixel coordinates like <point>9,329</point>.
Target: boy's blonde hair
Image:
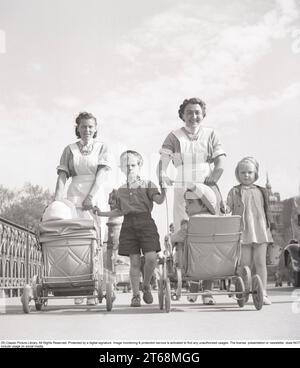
<point>124,156</point>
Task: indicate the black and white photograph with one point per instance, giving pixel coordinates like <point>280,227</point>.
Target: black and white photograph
<point>149,175</point>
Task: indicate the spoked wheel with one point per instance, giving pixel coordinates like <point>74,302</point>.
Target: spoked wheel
<point>257,292</point>
<point>45,294</point>
<point>99,290</point>
<point>26,298</point>
<point>240,287</point>
<point>294,276</point>
<point>167,295</point>
<point>37,292</point>
<point>246,276</point>
<point>109,296</point>
<point>179,283</point>
<point>164,291</point>
<point>161,288</point>
<point>161,294</point>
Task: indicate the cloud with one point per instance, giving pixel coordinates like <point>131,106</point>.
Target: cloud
<point>211,45</point>
<point>68,102</point>
<point>230,111</point>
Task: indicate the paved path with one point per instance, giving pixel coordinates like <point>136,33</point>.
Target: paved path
<point>62,320</point>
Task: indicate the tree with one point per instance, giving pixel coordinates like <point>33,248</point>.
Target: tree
<point>25,207</point>
<point>6,198</point>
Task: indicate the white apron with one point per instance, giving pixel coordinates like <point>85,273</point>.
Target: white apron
<point>192,167</point>
<point>86,170</point>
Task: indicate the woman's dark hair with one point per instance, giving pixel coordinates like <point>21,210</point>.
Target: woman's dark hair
<point>193,101</point>
<point>84,116</point>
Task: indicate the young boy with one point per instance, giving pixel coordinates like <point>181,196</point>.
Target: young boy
<point>200,200</point>
<point>134,201</point>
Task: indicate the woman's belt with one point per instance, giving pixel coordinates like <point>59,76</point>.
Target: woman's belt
<point>83,178</point>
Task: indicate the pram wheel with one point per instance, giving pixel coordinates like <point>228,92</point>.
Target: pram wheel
<point>164,289</point>
<point>160,294</point>
<point>246,276</point>
<point>26,298</point>
<point>179,283</point>
<point>240,287</point>
<point>109,296</point>
<point>257,292</point>
<point>167,295</point>
<point>37,292</point>
<point>99,290</point>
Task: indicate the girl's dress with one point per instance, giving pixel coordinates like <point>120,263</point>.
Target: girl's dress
<point>255,224</point>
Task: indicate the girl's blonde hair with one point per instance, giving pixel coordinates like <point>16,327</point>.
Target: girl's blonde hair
<point>246,160</point>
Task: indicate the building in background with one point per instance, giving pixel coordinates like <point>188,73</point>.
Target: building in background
<point>276,208</point>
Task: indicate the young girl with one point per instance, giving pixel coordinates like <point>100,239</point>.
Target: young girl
<point>251,202</point>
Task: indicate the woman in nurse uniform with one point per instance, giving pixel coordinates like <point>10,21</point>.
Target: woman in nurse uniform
<point>196,153</point>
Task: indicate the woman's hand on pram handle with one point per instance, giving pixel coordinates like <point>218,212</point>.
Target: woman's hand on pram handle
<point>165,181</point>
<point>96,211</point>
<point>87,204</point>
<point>113,213</point>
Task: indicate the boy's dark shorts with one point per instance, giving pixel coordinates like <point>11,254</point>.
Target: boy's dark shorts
<point>138,234</point>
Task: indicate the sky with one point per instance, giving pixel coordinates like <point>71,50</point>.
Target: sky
<point>132,63</point>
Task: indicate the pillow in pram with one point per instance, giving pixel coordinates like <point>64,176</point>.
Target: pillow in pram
<point>59,210</point>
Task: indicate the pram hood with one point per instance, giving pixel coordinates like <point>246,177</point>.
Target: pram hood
<point>62,229</point>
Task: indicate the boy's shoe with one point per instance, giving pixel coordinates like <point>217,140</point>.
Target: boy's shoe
<point>208,299</point>
<point>267,301</point>
<point>192,298</point>
<point>147,296</point>
<point>231,290</point>
<point>136,301</point>
<point>194,288</point>
<point>91,301</point>
<point>78,301</point>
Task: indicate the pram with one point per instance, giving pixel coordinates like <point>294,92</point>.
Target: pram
<point>212,251</point>
<point>73,265</point>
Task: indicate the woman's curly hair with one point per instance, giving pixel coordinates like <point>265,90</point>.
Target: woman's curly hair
<point>193,101</point>
<point>84,116</point>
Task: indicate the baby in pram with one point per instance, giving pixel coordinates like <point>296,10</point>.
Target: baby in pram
<point>200,200</point>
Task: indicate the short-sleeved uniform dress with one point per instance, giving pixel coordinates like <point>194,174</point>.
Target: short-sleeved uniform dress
<point>82,168</point>
<point>192,155</point>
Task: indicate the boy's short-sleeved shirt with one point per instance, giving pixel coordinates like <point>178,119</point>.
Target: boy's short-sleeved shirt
<point>136,197</point>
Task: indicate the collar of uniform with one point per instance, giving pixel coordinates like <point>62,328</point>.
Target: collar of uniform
<point>136,184</point>
<point>245,187</point>
<point>191,136</point>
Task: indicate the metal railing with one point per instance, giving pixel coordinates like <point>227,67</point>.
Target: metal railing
<point>20,257</point>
